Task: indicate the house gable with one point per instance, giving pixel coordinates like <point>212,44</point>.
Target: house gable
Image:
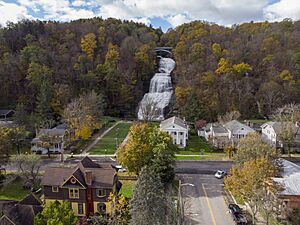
<point>72,181</point>
<point>174,127</point>
<point>4,220</point>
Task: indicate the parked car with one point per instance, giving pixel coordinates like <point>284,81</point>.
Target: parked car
<point>239,219</point>
<point>236,213</point>
<point>119,168</point>
<point>234,209</point>
<point>220,174</point>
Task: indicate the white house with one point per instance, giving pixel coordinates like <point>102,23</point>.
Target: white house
<point>220,135</point>
<point>177,128</point>
<point>55,140</point>
<point>237,130</point>
<point>271,130</point>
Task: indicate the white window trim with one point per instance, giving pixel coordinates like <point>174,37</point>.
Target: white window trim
<point>73,196</point>
<point>54,188</point>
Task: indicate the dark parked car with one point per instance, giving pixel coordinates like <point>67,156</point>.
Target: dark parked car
<point>239,219</point>
<point>236,213</point>
<point>234,209</point>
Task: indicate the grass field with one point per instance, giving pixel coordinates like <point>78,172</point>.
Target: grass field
<point>108,144</point>
<point>127,188</point>
<point>14,190</point>
<point>207,156</point>
<point>195,145</point>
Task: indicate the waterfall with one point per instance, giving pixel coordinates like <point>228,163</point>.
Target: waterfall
<point>160,92</point>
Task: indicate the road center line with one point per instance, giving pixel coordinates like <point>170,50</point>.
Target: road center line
<point>209,206</point>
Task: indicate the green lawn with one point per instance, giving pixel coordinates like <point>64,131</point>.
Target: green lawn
<point>14,190</point>
<point>127,188</point>
<point>207,156</point>
<point>195,145</point>
<point>108,144</point>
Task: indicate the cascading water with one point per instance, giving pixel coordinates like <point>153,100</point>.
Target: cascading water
<point>160,92</point>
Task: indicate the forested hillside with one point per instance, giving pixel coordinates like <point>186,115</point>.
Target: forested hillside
<point>253,67</point>
<point>43,65</point>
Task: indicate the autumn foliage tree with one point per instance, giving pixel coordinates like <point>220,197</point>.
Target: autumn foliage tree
<point>82,114</point>
<point>147,146</point>
<point>88,44</point>
<point>250,181</point>
<point>252,147</point>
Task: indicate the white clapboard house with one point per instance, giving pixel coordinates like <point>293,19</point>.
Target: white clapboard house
<point>177,128</point>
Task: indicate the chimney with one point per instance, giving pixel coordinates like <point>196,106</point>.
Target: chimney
<point>88,177</point>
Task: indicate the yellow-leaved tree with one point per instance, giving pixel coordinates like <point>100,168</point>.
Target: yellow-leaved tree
<point>250,181</point>
<point>88,45</point>
<point>148,146</point>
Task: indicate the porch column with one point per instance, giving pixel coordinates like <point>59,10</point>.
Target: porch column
<point>177,138</point>
<point>184,138</point>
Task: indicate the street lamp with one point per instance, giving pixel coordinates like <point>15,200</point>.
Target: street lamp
<point>117,132</point>
<point>181,203</point>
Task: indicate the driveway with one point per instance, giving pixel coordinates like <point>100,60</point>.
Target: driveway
<point>204,203</point>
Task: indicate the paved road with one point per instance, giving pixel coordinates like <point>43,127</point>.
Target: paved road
<point>204,203</point>
<point>201,167</point>
<point>182,167</point>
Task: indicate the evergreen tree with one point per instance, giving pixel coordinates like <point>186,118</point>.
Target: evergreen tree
<point>148,205</point>
<point>44,97</point>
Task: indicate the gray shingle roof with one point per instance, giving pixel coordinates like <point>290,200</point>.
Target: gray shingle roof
<point>234,125</point>
<point>5,112</point>
<point>173,120</point>
<point>290,178</point>
<point>52,132</point>
<point>102,176</point>
<point>30,199</point>
<point>22,214</point>
<point>219,129</point>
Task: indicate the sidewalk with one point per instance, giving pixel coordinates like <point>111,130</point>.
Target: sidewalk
<point>91,145</point>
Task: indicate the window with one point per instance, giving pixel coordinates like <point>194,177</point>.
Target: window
<point>73,193</point>
<point>80,208</point>
<point>54,189</point>
<point>101,207</point>
<point>73,180</point>
<point>100,192</point>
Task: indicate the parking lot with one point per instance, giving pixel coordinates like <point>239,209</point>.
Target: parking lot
<point>204,203</point>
